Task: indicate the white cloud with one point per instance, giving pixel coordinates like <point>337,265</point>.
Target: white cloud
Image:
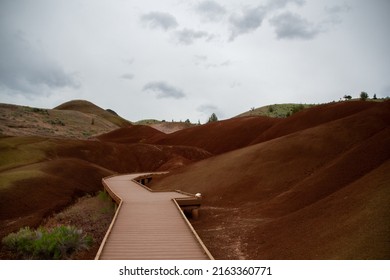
<point>247,21</point>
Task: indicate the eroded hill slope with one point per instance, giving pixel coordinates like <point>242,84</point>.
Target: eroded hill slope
<point>321,191</point>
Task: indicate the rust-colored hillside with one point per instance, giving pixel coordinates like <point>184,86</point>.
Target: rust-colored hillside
<point>316,187</point>
<point>39,176</point>
<point>228,135</point>
<point>131,134</point>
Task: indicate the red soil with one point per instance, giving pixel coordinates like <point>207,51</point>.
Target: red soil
<point>131,134</point>
<point>228,135</point>
<point>72,168</point>
<point>219,137</point>
<point>321,191</point>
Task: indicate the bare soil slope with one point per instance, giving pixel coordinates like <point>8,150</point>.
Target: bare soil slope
<point>90,108</point>
<point>219,137</point>
<point>318,189</point>
<point>39,176</point>
<point>131,134</point>
<point>228,135</point>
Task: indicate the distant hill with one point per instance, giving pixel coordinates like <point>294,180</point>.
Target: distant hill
<point>90,108</point>
<point>276,110</point>
<point>131,134</point>
<point>227,135</point>
<point>27,121</point>
<point>164,126</point>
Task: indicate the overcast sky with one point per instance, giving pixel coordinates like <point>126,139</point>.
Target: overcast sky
<point>179,59</point>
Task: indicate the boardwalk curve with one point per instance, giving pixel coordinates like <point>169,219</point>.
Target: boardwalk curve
<point>148,225</point>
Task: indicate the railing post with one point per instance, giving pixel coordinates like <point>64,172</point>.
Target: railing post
<point>195,213</point>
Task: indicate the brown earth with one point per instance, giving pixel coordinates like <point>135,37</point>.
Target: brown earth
<point>26,121</point>
<point>131,134</point>
<point>316,187</point>
<point>170,127</point>
<point>231,134</point>
<point>90,108</point>
<point>228,135</point>
<point>40,176</point>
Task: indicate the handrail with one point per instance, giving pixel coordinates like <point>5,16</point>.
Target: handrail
<point>112,222</point>
<point>207,252</point>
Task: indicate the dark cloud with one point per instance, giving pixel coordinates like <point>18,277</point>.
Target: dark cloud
<point>293,26</point>
<point>27,69</point>
<point>159,20</point>
<point>127,76</point>
<point>246,22</point>
<point>164,90</point>
<point>189,36</point>
<point>251,19</point>
<point>211,10</point>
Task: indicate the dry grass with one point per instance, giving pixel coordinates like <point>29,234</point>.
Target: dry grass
<point>26,121</point>
<point>91,214</point>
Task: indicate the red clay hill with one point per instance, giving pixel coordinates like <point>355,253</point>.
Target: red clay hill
<point>316,186</point>
<point>41,175</point>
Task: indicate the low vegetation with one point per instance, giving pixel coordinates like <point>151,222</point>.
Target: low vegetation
<point>56,243</point>
<point>276,110</point>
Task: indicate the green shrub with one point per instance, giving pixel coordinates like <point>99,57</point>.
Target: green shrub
<point>363,96</point>
<point>297,108</point>
<point>56,122</point>
<point>57,243</point>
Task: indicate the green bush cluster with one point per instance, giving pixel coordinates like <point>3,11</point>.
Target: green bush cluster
<point>40,111</point>
<point>56,122</point>
<point>56,243</point>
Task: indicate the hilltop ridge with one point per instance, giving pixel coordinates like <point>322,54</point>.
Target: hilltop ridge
<point>87,107</point>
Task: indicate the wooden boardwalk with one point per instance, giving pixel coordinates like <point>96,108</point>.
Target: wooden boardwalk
<point>148,225</point>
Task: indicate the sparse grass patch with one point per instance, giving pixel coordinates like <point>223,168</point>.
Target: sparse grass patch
<point>16,151</point>
<point>56,122</point>
<point>11,176</point>
<point>56,243</point>
<point>276,110</point>
<point>108,203</point>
